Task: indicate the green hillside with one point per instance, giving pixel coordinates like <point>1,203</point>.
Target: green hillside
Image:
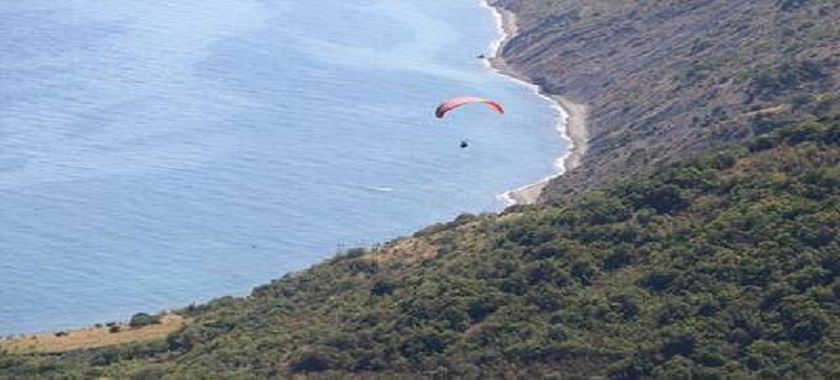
<point>724,266</point>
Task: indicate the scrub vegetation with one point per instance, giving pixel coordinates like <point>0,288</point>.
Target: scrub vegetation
<point>722,266</point>
<point>701,240</point>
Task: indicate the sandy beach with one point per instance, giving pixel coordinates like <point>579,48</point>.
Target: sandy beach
<point>573,115</point>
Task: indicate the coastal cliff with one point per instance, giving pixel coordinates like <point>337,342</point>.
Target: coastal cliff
<point>666,80</point>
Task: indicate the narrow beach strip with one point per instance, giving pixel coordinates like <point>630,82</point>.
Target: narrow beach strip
<point>572,115</point>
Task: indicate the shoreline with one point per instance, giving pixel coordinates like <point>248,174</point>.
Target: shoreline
<point>570,123</point>
<point>572,119</point>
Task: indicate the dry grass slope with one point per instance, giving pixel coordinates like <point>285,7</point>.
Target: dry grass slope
<point>93,337</point>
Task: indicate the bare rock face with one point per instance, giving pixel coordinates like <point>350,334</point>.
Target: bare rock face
<point>668,79</point>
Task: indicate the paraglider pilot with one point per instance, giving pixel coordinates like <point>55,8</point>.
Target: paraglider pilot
<point>459,101</point>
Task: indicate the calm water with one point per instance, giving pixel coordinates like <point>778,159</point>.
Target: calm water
<point>155,154</point>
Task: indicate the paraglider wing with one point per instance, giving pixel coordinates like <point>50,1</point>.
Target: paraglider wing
<point>453,103</point>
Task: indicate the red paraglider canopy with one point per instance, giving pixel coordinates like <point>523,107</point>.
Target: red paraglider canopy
<point>453,103</point>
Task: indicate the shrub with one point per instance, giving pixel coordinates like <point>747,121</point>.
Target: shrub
<point>143,319</point>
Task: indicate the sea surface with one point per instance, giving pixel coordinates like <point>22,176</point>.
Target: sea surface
<point>155,154</point>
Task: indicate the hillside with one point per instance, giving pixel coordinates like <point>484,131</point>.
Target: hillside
<point>724,266</point>
<point>699,237</point>
<point>669,79</point>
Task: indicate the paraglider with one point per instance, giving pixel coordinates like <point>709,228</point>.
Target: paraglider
<point>453,103</point>
<point>459,101</point>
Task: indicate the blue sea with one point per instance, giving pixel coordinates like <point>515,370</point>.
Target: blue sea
<point>155,154</point>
